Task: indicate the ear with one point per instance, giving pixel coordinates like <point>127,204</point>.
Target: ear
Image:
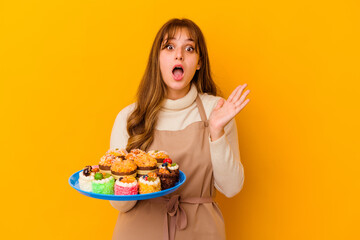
<point>198,66</point>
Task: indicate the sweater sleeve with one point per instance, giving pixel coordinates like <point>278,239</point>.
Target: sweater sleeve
<point>119,138</point>
<point>225,156</point>
<point>119,135</point>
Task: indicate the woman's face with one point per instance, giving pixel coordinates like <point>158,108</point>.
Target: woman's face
<point>178,64</point>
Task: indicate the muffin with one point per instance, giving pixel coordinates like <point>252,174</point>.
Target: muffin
<point>121,168</point>
<point>159,156</point>
<point>109,157</point>
<point>126,186</point>
<point>168,173</point>
<point>103,183</point>
<point>149,183</point>
<point>145,164</point>
<point>86,177</point>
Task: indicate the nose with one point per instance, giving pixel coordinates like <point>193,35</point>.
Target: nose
<point>179,54</point>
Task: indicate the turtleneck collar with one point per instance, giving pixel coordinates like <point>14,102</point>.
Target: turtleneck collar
<point>183,102</point>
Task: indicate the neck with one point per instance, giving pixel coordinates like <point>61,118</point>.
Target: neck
<point>174,94</point>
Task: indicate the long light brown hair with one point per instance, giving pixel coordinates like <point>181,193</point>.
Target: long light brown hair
<point>152,89</point>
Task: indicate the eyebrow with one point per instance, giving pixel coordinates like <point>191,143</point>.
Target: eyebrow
<point>189,39</point>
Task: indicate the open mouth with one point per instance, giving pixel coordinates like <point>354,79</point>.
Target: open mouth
<point>178,72</point>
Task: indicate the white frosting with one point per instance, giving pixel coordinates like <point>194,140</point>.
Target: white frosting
<point>174,167</point>
<point>85,181</point>
<point>156,182</point>
<point>171,167</point>
<point>86,178</point>
<point>122,184</point>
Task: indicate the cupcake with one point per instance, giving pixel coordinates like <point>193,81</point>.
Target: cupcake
<point>133,154</point>
<point>110,156</point>
<point>126,186</point>
<point>159,156</point>
<point>149,183</point>
<point>103,183</point>
<point>168,173</point>
<point>121,168</point>
<point>86,177</point>
<point>117,152</point>
<point>145,164</point>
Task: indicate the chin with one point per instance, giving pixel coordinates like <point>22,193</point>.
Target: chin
<point>178,85</point>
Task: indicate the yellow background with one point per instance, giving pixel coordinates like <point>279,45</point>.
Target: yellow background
<point>68,67</point>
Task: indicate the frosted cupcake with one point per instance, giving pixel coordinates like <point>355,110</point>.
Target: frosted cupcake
<point>135,153</point>
<point>110,156</point>
<point>149,183</point>
<point>145,164</point>
<point>122,168</point>
<point>86,177</point>
<point>103,183</point>
<point>126,186</point>
<point>159,156</point>
<point>168,173</point>
<point>117,152</point>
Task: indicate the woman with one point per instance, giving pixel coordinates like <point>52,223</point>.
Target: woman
<point>177,111</point>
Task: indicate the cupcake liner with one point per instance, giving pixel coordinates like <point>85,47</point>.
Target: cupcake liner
<point>104,186</point>
<point>168,180</point>
<point>119,190</point>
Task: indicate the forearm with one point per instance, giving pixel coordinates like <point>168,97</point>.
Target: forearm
<point>123,206</point>
<point>215,134</point>
<point>227,168</point>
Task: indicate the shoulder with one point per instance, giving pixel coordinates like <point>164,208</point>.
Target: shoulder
<point>125,112</point>
<point>119,134</point>
<point>209,102</point>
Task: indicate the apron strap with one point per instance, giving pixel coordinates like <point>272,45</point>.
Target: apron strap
<point>201,111</point>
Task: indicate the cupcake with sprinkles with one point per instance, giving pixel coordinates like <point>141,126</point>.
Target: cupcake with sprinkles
<point>103,183</point>
<point>86,177</point>
<point>135,153</point>
<point>110,156</point>
<point>126,186</point>
<point>117,152</point>
<point>149,183</point>
<point>122,168</point>
<point>168,173</point>
<point>145,164</point>
<point>159,156</point>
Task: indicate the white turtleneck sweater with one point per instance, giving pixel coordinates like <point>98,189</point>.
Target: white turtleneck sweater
<point>176,115</point>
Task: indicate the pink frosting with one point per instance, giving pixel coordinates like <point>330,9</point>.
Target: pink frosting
<point>119,190</point>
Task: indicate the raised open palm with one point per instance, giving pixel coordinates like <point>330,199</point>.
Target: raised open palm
<point>227,110</point>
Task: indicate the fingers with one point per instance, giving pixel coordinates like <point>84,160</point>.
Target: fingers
<point>241,106</point>
<point>242,98</point>
<point>233,93</point>
<point>219,104</point>
<point>238,93</point>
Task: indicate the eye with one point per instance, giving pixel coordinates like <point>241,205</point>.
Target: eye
<point>169,47</point>
<point>190,49</point>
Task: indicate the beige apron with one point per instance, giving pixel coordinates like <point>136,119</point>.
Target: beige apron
<point>190,212</point>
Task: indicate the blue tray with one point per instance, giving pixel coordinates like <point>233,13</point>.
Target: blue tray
<point>74,182</point>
